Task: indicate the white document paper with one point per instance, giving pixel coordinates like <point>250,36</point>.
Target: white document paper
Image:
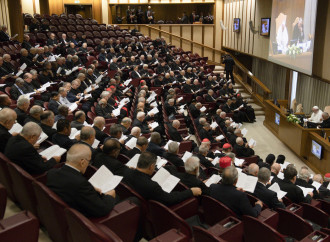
<point>87,96</point>
<point>73,107</point>
<point>17,128</point>
<point>170,141</point>
<point>59,70</point>
<point>284,165</point>
<point>165,180</point>
<point>127,82</point>
<point>316,185</point>
<point>276,188</point>
<point>248,183</point>
<point>252,142</point>
<point>203,109</point>
<point>131,143</point>
<point>42,138</point>
<point>154,125</point>
<point>52,151</point>
<point>244,131</point>
<point>216,161</point>
<point>104,179</point>
<point>23,67</point>
<point>68,72</point>
<point>20,72</point>
<point>116,112</point>
<point>238,162</point>
<point>74,133</point>
<point>186,155</point>
<point>179,99</point>
<point>214,179</point>
<point>280,175</point>
<point>220,137</point>
<point>305,190</point>
<point>153,104</point>
<point>98,80</point>
<point>134,161</point>
<point>328,187</point>
<point>214,125</point>
<point>95,144</point>
<point>160,162</point>
<point>123,137</point>
<point>88,89</point>
<point>154,111</point>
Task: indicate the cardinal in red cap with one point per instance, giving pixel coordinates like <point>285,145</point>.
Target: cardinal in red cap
<point>225,162</point>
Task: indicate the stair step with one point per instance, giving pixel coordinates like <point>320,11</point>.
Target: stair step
<point>219,68</point>
<point>245,95</point>
<point>259,113</point>
<point>256,107</point>
<point>248,100</point>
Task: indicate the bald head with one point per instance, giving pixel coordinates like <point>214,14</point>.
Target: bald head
<point>87,135</point>
<point>79,156</point>
<point>253,169</point>
<point>275,168</point>
<point>176,124</point>
<point>7,118</point>
<point>99,122</point>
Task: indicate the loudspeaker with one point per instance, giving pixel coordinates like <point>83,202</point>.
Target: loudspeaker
<point>222,25</point>
<point>252,28</point>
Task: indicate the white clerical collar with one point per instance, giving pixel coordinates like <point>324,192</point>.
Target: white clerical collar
<point>262,183</point>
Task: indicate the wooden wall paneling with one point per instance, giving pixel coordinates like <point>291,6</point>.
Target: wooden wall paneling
<point>154,34</point>
<point>198,34</point>
<point>186,45</point>
<point>186,32</point>
<point>247,45</point>
<point>56,6</point>
<point>240,40</point>
<point>225,22</point>
<point>231,33</point>
<point>16,18</point>
<point>208,33</point>
<point>236,15</point>
<point>253,19</point>
<point>176,31</point>
<point>197,49</point>
<point>4,18</point>
<point>166,36</point>
<point>245,25</point>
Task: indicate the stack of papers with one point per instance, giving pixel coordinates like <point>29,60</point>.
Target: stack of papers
<point>134,161</point>
<point>248,183</point>
<point>276,188</point>
<point>52,151</point>
<point>186,155</point>
<point>214,179</point>
<point>131,143</point>
<point>305,190</point>
<point>17,128</point>
<point>42,138</point>
<point>165,180</point>
<point>105,180</point>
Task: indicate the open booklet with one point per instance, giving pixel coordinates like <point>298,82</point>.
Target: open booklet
<point>105,180</point>
<point>54,150</point>
<point>42,138</point>
<point>17,128</point>
<point>305,190</point>
<point>165,180</point>
<point>186,155</point>
<point>95,144</point>
<point>133,162</point>
<point>276,188</point>
<point>214,179</point>
<point>74,133</point>
<point>248,183</point>
<point>131,143</point>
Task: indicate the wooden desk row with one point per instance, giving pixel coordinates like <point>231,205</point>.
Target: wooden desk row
<point>298,138</point>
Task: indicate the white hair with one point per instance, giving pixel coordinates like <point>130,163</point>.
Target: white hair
<point>191,164</point>
<point>140,115</point>
<point>31,129</point>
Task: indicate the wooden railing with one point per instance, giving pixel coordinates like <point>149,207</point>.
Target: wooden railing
<point>251,83</point>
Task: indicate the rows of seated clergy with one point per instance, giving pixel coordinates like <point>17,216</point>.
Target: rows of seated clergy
<point>22,148</point>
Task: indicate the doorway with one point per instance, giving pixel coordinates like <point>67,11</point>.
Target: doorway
<point>83,10</point>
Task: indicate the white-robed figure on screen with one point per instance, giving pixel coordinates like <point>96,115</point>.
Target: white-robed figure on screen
<point>282,38</point>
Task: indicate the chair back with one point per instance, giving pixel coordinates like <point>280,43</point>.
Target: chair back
<point>262,232</point>
<point>82,229</point>
<point>22,187</point>
<point>3,201</point>
<point>5,178</point>
<point>51,212</point>
<point>215,211</point>
<point>169,219</point>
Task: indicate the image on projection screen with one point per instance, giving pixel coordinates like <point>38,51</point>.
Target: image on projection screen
<point>292,34</point>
